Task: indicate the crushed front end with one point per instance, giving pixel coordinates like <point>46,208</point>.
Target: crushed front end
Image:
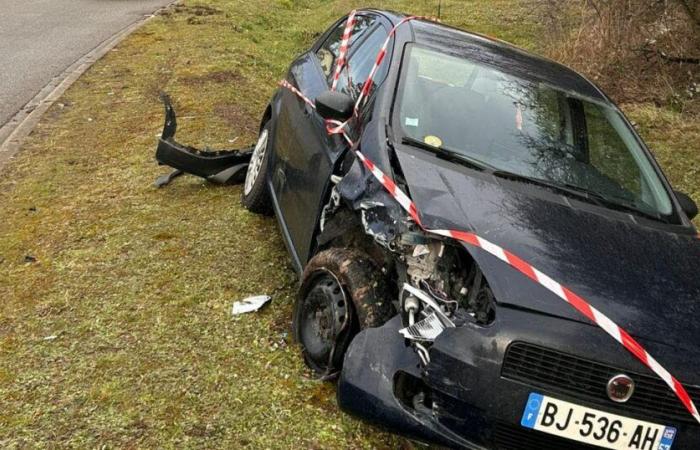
<point>473,391</point>
<point>456,367</point>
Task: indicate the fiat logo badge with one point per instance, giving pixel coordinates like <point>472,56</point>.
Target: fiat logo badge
<point>620,388</point>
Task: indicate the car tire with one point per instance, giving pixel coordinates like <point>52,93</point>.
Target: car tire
<point>342,292</point>
<point>256,196</point>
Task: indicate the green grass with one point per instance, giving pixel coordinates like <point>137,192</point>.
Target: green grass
<point>675,141</point>
<point>119,334</point>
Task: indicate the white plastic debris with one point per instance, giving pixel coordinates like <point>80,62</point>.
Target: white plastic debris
<point>421,250</point>
<point>250,304</point>
<point>425,330</point>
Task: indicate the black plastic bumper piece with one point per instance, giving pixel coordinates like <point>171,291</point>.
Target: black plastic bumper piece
<point>221,166</point>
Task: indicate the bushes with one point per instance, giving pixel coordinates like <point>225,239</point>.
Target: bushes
<point>636,50</point>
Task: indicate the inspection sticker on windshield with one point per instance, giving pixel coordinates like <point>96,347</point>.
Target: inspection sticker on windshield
<point>411,122</point>
<point>593,426</point>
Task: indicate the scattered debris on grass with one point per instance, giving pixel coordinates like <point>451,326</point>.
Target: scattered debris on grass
<point>250,304</point>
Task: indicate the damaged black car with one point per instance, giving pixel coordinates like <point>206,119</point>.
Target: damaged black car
<point>471,346</point>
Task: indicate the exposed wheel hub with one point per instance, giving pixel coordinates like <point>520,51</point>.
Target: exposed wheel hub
<point>323,319</point>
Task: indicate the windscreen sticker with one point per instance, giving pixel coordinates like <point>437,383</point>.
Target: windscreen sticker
<point>411,122</point>
<point>433,141</point>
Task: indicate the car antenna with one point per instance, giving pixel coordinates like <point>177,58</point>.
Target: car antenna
<point>439,9</point>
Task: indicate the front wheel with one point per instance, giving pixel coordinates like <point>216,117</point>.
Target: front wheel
<point>342,292</point>
<point>256,197</point>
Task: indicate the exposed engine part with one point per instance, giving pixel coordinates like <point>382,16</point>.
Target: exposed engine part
<point>448,287</point>
<point>480,300</point>
<point>422,353</point>
<point>430,305</point>
<point>423,261</point>
<point>413,238</point>
<point>437,281</point>
<point>447,274</point>
<point>411,306</point>
<point>425,330</point>
<point>379,224</point>
<point>330,208</point>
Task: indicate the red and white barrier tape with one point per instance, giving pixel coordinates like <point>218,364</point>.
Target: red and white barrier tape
<point>288,85</point>
<point>343,52</point>
<point>378,62</point>
<point>561,291</point>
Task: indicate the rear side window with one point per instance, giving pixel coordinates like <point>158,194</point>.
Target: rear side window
<point>330,49</point>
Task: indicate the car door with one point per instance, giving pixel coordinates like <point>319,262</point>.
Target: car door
<point>305,154</point>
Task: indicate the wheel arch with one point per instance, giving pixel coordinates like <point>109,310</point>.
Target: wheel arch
<point>267,115</point>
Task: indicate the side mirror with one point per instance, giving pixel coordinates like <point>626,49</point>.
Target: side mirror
<point>689,207</point>
<point>333,105</point>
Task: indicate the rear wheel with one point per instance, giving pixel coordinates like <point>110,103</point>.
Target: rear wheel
<point>256,197</point>
<point>342,292</point>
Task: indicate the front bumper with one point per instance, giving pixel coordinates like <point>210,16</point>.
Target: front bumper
<point>462,398</point>
<point>220,166</point>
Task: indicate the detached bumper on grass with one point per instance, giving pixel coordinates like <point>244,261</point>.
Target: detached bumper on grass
<point>216,166</point>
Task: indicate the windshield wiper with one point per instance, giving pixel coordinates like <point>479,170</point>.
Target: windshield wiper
<point>561,188</point>
<point>618,203</point>
<point>449,154</point>
<point>581,193</point>
<point>624,205</point>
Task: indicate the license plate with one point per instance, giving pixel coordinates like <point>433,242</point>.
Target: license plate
<point>594,427</point>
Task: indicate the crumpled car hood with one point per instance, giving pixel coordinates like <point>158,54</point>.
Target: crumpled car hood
<point>644,279</point>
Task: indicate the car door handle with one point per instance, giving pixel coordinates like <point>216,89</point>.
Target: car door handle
<point>307,110</point>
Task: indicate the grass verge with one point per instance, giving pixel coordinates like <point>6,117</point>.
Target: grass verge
<point>114,324</point>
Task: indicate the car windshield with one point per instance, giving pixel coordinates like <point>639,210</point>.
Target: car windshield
<point>526,129</point>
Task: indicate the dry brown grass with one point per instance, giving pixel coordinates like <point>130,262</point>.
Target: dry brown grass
<point>638,51</point>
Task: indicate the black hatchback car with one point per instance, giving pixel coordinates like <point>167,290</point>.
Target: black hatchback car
<point>447,342</point>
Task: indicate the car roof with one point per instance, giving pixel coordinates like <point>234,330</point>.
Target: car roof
<point>500,54</point>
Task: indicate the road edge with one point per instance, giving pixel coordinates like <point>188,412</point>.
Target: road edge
<point>19,127</point>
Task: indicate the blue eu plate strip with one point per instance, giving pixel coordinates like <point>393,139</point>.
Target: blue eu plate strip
<point>532,410</point>
<point>667,438</point>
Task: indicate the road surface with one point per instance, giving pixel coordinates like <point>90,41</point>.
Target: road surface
<point>39,39</point>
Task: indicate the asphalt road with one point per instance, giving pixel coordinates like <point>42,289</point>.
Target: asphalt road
<point>39,39</point>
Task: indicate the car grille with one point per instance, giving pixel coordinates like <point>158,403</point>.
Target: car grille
<point>587,380</point>
<point>508,437</point>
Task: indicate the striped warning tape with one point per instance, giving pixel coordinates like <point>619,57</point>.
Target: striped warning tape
<point>343,52</point>
<point>367,86</point>
<point>564,293</point>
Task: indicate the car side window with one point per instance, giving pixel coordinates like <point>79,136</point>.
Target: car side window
<point>329,51</point>
<point>361,62</point>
